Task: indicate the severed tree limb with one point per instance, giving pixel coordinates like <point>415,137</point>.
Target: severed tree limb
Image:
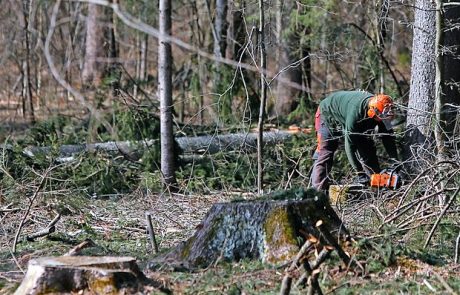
<point>322,256</point>
<point>430,235</point>
<point>287,280</point>
<point>24,217</point>
<point>313,283</point>
<point>151,233</point>
<point>331,241</point>
<point>444,284</point>
<point>51,228</point>
<point>77,249</point>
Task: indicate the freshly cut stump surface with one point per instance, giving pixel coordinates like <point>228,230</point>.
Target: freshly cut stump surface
<point>84,274</point>
<point>270,229</point>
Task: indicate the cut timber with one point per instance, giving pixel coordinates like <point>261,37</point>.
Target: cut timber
<point>207,144</point>
<point>340,194</point>
<point>84,274</point>
<point>270,229</point>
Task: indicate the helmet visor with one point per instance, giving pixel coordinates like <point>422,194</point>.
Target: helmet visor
<point>387,113</point>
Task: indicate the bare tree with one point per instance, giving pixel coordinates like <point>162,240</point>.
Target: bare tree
<point>165,93</point>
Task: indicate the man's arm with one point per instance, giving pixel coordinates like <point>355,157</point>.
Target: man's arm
<point>351,149</point>
<point>388,140</point>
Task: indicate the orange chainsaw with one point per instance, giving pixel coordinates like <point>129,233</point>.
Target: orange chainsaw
<point>386,178</point>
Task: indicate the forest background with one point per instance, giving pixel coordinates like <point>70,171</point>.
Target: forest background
<point>76,72</point>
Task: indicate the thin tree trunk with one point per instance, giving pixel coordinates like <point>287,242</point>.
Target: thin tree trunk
<point>165,94</point>
<point>440,134</point>
<point>27,103</point>
<point>263,98</point>
<point>383,9</point>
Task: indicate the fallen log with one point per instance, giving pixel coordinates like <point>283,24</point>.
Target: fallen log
<point>208,144</point>
<point>84,275</point>
<point>269,229</point>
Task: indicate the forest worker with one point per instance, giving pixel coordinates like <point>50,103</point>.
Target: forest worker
<point>353,116</point>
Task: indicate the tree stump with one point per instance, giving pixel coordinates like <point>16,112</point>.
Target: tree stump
<point>270,229</point>
<point>84,274</point>
<point>344,193</point>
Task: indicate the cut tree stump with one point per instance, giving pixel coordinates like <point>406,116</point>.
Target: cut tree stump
<point>271,229</point>
<point>83,274</point>
<point>343,193</point>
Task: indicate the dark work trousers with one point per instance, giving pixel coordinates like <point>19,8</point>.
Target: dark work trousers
<point>328,143</point>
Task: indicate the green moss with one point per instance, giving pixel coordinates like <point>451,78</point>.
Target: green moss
<point>280,236</point>
<point>187,246</point>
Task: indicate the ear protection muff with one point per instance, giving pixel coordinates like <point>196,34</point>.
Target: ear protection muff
<point>371,113</point>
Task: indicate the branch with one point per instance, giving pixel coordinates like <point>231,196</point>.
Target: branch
<point>430,235</point>
<point>32,199</point>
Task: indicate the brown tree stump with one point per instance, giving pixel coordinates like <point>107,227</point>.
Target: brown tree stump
<point>83,274</point>
<point>270,229</point>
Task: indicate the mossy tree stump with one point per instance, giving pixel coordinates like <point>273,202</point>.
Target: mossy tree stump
<point>270,229</point>
<point>84,274</point>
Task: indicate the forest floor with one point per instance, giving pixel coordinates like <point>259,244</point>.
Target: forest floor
<point>117,226</point>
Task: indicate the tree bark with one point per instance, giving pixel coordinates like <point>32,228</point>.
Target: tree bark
<point>439,130</point>
<point>451,85</point>
<point>92,69</point>
<point>290,52</point>
<point>27,96</point>
<point>165,61</point>
<point>422,88</point>
<point>199,145</point>
<point>263,98</point>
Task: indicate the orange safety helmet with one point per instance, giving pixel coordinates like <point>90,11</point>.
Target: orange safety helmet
<point>380,107</point>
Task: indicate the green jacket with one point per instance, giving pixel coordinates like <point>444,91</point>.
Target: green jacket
<point>347,111</point>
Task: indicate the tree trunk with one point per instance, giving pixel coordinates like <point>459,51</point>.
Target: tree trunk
<point>263,98</point>
<point>439,130</point>
<point>199,145</point>
<point>422,88</point>
<point>381,32</point>
<point>220,28</point>
<point>268,229</point>
<point>291,50</point>
<point>85,274</point>
<point>92,69</point>
<point>27,96</point>
<point>451,85</point>
<point>165,93</point>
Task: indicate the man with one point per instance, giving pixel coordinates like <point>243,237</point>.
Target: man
<point>353,115</point>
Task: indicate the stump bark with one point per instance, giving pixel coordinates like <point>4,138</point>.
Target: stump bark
<point>271,229</point>
<point>84,274</point>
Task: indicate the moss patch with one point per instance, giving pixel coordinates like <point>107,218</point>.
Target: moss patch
<point>280,236</point>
